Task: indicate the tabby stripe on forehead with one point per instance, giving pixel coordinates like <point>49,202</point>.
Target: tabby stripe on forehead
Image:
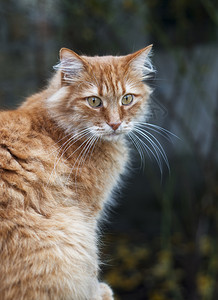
<point>100,87</point>
<point>123,88</point>
<point>106,86</point>
<point>117,85</point>
<point>117,77</point>
<point>112,82</point>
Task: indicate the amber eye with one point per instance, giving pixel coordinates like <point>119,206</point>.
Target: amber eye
<point>94,101</point>
<point>127,99</point>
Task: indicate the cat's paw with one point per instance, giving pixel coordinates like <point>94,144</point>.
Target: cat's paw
<point>106,292</point>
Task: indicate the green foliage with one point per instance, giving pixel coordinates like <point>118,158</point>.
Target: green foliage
<point>146,270</point>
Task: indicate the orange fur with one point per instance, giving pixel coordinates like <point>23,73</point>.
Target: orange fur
<point>51,199</point>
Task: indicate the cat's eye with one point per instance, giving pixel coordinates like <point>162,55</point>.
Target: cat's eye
<point>94,102</point>
<point>127,99</point>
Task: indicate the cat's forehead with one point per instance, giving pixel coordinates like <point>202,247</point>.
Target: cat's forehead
<point>107,75</point>
<point>103,60</point>
<point>109,65</point>
<point>107,90</point>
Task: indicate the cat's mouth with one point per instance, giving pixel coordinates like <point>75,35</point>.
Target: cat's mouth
<point>113,135</point>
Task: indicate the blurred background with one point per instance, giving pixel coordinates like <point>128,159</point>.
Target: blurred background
<point>162,239</point>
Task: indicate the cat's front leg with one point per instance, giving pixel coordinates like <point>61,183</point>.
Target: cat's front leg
<point>104,292</point>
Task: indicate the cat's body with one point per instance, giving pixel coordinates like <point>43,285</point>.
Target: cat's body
<point>55,178</point>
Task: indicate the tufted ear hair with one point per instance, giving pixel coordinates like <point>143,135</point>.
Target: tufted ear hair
<point>140,62</point>
<point>71,66</point>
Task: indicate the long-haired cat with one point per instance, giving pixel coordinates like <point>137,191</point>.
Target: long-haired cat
<point>61,155</point>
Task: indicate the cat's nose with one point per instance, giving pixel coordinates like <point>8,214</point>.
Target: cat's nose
<point>114,126</point>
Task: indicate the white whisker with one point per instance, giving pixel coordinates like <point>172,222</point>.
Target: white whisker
<point>155,144</point>
<point>64,137</point>
<point>72,140</point>
<point>160,132</point>
<point>154,153</point>
<point>86,151</point>
<point>138,147</point>
<point>85,143</point>
<point>159,129</point>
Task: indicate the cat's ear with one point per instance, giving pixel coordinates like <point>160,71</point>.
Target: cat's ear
<point>71,66</point>
<point>67,54</point>
<point>140,62</point>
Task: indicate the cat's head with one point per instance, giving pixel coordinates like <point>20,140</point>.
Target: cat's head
<point>102,96</point>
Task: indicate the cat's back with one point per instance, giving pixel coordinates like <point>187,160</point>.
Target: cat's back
<point>17,132</point>
<point>13,124</point>
<point>25,161</point>
<point>14,131</point>
<point>17,141</point>
<point>17,128</point>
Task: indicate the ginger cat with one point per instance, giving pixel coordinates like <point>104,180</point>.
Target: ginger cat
<point>61,155</point>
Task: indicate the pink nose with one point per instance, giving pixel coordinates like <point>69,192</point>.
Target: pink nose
<point>114,126</point>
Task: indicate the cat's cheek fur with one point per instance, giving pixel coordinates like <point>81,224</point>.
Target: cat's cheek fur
<point>56,106</point>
